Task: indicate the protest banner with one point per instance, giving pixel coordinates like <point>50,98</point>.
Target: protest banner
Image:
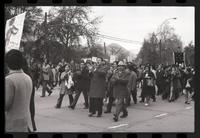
<point>112,58</point>
<point>13,32</point>
<point>94,59</point>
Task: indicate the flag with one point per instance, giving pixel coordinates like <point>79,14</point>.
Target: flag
<point>13,32</point>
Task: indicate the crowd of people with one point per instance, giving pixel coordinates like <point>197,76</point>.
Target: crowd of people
<point>117,83</point>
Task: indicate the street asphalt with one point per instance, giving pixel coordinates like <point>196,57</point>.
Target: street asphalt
<point>160,116</point>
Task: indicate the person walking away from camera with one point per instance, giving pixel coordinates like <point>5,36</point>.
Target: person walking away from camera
<point>65,86</point>
<point>132,84</point>
<point>82,83</point>
<point>18,90</point>
<point>120,90</point>
<point>46,77</point>
<point>97,87</point>
<point>148,87</point>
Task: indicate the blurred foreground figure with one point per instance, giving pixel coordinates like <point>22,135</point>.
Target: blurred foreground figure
<point>18,94</point>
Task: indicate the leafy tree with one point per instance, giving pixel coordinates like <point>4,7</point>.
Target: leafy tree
<point>189,54</point>
<point>158,48</point>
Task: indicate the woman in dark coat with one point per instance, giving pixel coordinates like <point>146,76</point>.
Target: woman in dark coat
<point>97,88</point>
<point>148,86</point>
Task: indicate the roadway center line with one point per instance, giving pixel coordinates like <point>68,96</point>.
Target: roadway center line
<point>189,107</point>
<point>161,115</point>
<point>117,126</point>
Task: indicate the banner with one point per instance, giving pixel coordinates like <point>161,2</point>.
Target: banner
<point>112,58</point>
<point>13,32</point>
<point>94,59</point>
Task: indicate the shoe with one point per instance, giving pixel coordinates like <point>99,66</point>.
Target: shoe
<point>146,104</point>
<point>115,118</point>
<point>187,102</point>
<point>107,112</point>
<point>91,114</point>
<point>154,100</point>
<point>50,93</point>
<point>141,101</point>
<point>124,115</point>
<point>98,115</point>
<point>86,107</point>
<point>57,107</point>
<point>72,107</point>
<point>42,96</point>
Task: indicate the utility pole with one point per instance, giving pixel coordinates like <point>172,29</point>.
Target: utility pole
<point>104,44</point>
<point>45,36</point>
<point>160,43</point>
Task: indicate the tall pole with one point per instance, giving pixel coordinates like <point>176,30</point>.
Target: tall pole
<point>160,51</point>
<point>104,44</point>
<point>45,38</point>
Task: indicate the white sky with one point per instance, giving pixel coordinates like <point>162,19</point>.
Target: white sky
<point>135,23</point>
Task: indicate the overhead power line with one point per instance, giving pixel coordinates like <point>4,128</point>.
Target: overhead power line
<point>117,39</point>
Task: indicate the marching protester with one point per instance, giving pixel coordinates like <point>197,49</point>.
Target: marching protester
<point>46,78</point>
<point>109,91</point>
<point>120,90</point>
<point>97,87</point>
<point>148,87</point>
<point>132,84</point>
<point>188,85</point>
<point>65,86</point>
<point>82,84</point>
<point>18,91</point>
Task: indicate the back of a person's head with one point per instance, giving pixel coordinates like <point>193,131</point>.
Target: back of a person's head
<point>14,59</point>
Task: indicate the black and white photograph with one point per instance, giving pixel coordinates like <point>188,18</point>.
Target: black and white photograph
<point>99,69</point>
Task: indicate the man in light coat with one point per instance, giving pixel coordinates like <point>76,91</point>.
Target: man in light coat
<point>18,92</point>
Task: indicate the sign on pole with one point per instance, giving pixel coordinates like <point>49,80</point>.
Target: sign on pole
<point>13,32</point>
<point>112,58</point>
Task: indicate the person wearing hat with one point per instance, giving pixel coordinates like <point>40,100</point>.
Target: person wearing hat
<point>120,81</point>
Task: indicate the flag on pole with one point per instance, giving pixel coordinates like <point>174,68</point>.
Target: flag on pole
<point>13,32</point>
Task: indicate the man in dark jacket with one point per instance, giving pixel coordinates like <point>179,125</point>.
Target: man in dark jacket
<point>82,84</point>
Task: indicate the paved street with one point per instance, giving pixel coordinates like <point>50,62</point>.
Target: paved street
<point>160,116</point>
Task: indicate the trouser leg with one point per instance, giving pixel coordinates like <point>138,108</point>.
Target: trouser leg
<point>110,102</point>
<point>134,95</point>
<point>59,101</point>
<point>70,99</point>
<point>124,108</point>
<point>92,105</point>
<point>119,106</point>
<point>100,106</point>
<point>77,95</point>
<point>44,87</point>
<point>85,95</point>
